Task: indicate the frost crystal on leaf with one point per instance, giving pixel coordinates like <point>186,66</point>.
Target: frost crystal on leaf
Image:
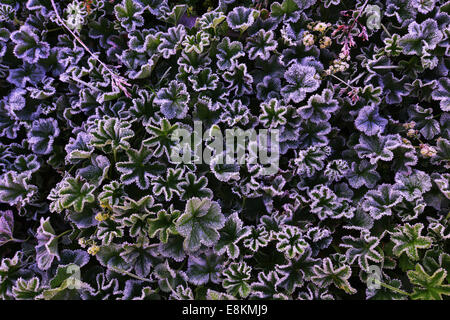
<point>301,80</point>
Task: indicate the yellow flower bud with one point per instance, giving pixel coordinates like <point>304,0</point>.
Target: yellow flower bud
<point>93,250</point>
<point>82,242</point>
<point>325,42</point>
<point>411,133</point>
<point>308,39</point>
<point>101,216</point>
<point>320,27</point>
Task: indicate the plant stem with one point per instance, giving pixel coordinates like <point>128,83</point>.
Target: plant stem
<point>19,240</point>
<point>77,38</point>
<point>115,155</point>
<point>386,30</point>
<point>387,286</point>
<point>129,274</point>
<point>241,32</point>
<point>71,168</point>
<point>17,21</point>
<point>340,80</point>
<point>386,67</point>
<point>357,78</point>
<point>54,29</point>
<point>116,79</point>
<point>357,17</point>
<point>63,234</point>
<point>84,83</point>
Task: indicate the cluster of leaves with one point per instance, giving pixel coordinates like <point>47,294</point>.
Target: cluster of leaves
<point>92,91</point>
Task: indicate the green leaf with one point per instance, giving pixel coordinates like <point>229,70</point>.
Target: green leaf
<point>140,256</point>
<point>267,286</point>
<point>236,281</point>
<point>177,12</point>
<point>387,292</point>
<point>96,171</point>
<point>6,226</point>
<point>199,223</point>
<point>10,270</point>
<point>428,287</point>
<point>290,242</point>
<point>161,137</point>
<point>194,187</point>
<point>112,194</point>
<point>182,293</point>
<point>66,284</point>
<point>168,279</point>
<point>205,268</point>
<point>108,230</point>
<point>421,37</point>
<point>47,247</point>
<point>443,149</point>
<point>407,239</point>
<point>288,7</point>
<point>168,185</point>
<point>142,206</point>
<point>164,224</point>
<point>297,271</point>
<point>393,47</point>
<point>139,169</point>
<point>327,274</point>
<point>216,295</point>
<point>210,19</point>
<point>76,193</point>
<point>129,13</point>
<point>196,43</point>
<point>230,234</point>
<point>363,249</point>
<point>110,256</point>
<point>272,114</point>
<point>112,133</point>
<point>27,289</point>
<point>137,224</point>
<point>14,189</point>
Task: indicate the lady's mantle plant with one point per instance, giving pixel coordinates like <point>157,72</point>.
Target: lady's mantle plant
<point>92,92</point>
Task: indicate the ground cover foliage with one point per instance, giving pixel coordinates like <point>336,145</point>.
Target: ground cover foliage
<point>92,207</point>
